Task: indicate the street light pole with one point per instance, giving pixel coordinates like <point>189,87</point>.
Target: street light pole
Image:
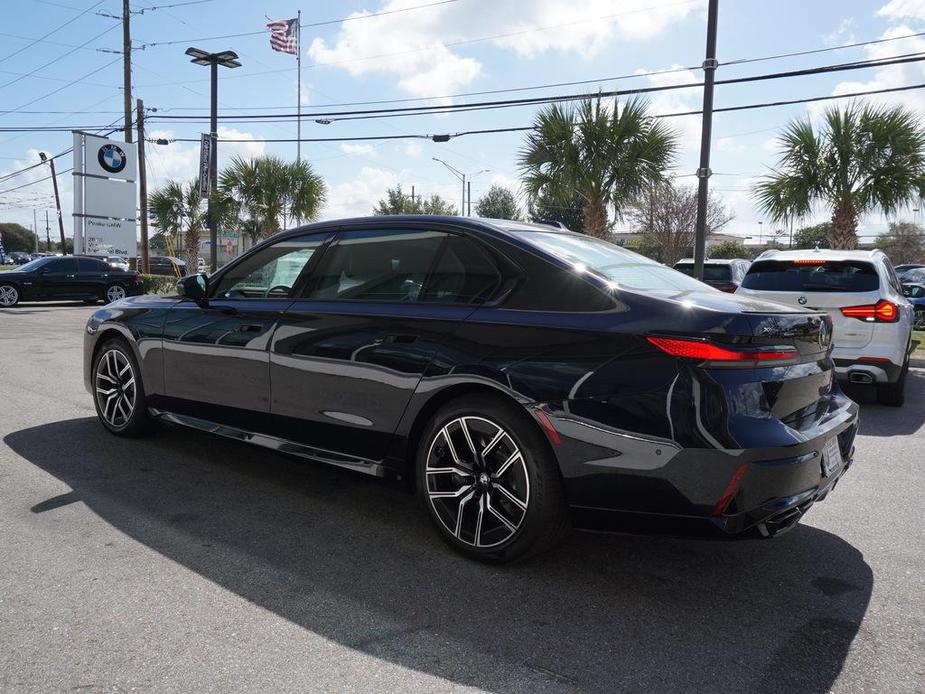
<point>703,172</point>
<point>213,60</point>
<point>462,177</point>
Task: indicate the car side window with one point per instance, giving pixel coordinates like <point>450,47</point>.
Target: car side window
<point>62,265</point>
<point>271,272</point>
<point>91,265</point>
<point>891,277</point>
<point>376,265</point>
<point>463,274</point>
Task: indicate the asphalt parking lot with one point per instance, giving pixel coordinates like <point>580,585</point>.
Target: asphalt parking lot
<point>184,562</point>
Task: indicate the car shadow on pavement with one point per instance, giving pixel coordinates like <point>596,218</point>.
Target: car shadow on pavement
<point>880,420</point>
<point>355,560</point>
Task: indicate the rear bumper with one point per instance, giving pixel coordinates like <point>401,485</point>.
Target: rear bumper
<point>616,480</point>
<point>860,371</point>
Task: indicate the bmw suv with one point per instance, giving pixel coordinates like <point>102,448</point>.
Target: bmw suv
<point>871,315</point>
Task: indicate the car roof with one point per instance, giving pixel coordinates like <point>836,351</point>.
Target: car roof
<point>714,261</point>
<point>821,254</point>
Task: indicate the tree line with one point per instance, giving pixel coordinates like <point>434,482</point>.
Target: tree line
<point>599,162</point>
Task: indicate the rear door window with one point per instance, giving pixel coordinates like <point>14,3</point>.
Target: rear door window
<point>812,276</point>
<point>464,274</point>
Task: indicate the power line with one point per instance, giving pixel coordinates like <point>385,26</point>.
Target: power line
<point>56,29</point>
<point>531,101</point>
<point>742,61</point>
<point>60,57</point>
<point>446,137</point>
<point>313,24</point>
<point>59,89</point>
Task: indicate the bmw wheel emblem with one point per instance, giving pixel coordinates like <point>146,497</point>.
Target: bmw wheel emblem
<point>802,301</point>
<point>111,158</point>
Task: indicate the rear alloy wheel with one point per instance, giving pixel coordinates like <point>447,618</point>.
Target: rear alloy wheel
<point>118,392</point>
<point>9,295</point>
<point>490,482</point>
<point>114,292</point>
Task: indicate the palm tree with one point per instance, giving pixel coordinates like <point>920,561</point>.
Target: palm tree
<point>271,193</point>
<point>604,154</point>
<point>861,158</point>
<point>177,210</point>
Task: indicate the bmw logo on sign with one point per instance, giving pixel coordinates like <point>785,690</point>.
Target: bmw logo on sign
<point>111,158</point>
<point>802,301</point>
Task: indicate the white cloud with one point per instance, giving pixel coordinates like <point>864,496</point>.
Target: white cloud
<point>901,9</point>
<point>359,196</point>
<point>675,101</point>
<point>358,150</point>
<point>729,144</point>
<point>842,34</point>
<point>422,49</point>
<point>412,149</point>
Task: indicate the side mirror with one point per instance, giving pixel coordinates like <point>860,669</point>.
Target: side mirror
<point>194,287</point>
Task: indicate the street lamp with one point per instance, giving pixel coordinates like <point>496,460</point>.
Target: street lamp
<point>462,177</point>
<point>213,60</point>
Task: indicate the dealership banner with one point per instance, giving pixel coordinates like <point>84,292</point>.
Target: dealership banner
<point>105,196</point>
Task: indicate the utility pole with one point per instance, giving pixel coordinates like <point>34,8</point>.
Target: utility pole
<point>127,67</point>
<point>47,234</point>
<point>412,197</point>
<point>469,206</point>
<point>35,229</point>
<point>142,185</point>
<point>54,182</point>
<point>703,172</point>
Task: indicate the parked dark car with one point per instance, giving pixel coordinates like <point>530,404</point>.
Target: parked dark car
<point>519,376</point>
<point>67,277</point>
<point>164,265</point>
<point>916,295</point>
<point>19,257</point>
<point>720,273</point>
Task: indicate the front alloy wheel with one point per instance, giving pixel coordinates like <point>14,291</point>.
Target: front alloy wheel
<point>9,295</point>
<point>477,481</point>
<point>116,389</point>
<point>114,292</point>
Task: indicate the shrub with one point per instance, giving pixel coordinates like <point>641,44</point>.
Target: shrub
<point>159,284</point>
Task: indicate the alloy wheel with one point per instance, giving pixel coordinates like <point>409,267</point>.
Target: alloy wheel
<point>116,390</point>
<point>477,481</point>
<point>114,293</point>
<point>8,295</point>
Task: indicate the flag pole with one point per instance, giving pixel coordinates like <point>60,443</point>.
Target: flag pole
<point>298,59</point>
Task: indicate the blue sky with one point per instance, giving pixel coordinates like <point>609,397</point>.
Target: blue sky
<point>432,51</point>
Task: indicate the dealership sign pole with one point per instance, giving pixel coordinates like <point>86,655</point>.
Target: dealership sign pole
<point>105,196</point>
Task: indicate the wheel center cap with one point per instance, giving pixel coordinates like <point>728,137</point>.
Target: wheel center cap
<point>483,481</point>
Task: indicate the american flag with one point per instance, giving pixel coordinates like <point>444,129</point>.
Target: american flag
<point>284,35</point>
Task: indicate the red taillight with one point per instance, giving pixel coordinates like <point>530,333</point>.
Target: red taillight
<point>705,351</point>
<point>882,312</point>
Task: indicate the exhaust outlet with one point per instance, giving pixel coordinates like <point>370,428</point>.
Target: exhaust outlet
<point>860,377</point>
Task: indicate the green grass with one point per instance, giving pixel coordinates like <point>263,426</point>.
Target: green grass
<point>6,267</point>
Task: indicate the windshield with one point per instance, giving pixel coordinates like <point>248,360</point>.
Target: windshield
<point>32,265</point>
<point>627,269</point>
<point>812,276</point>
<point>711,271</point>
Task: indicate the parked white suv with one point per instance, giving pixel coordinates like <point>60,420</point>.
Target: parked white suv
<point>872,318</point>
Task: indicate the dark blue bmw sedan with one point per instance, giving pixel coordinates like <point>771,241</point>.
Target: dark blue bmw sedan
<point>522,378</point>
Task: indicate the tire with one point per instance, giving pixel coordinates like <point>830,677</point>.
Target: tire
<point>511,495</point>
<point>118,392</point>
<point>113,292</point>
<point>894,394</point>
<point>9,295</point>
<point>919,320</point>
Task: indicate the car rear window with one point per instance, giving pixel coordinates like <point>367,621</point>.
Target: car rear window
<point>627,269</point>
<point>812,276</point>
<point>714,272</point>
